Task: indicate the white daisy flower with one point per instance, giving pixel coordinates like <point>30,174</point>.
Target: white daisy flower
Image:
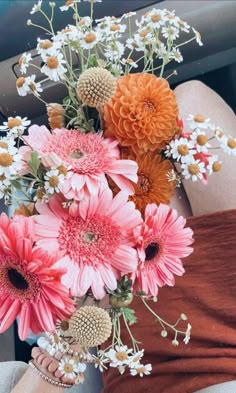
<point>15,125</point>
<point>129,62</point>
<point>24,61</point>
<point>141,370</point>
<point>176,55</point>
<point>22,86</point>
<point>84,23</point>
<point>8,145</point>
<point>193,170</point>
<point>173,19</point>
<point>36,7</point>
<point>100,363</point>
<point>129,15</point>
<point>183,26</point>
<point>94,1</point>
<point>201,140</point>
<point>135,359</point>
<point>89,39</point>
<point>4,185</point>
<point>198,37</point>
<point>119,356</point>
<point>53,67</point>
<point>198,121</point>
<point>181,150</point>
<point>68,368</point>
<point>187,334</point>
<point>35,87</point>
<point>69,4</point>
<point>44,46</point>
<point>135,43</point>
<point>54,181</point>
<point>170,32</point>
<point>214,165</point>
<point>114,51</point>
<point>219,134</point>
<point>228,145</point>
<point>155,18</point>
<point>10,164</point>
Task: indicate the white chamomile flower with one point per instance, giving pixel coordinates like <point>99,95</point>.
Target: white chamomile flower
<point>100,364</point>
<point>55,341</point>
<point>53,67</point>
<point>114,51</point>
<point>68,4</point>
<point>7,144</point>
<point>46,46</point>
<point>94,1</point>
<point>198,37</point>
<point>228,145</point>
<point>181,150</point>
<point>219,134</point>
<point>193,170</point>
<point>170,32</point>
<point>187,334</point>
<point>198,121</point>
<point>36,7</point>
<point>155,18</point>
<point>90,39</point>
<point>129,62</point>
<point>119,356</point>
<point>22,86</point>
<point>15,125</point>
<point>183,26</point>
<point>172,19</point>
<point>201,140</point>
<point>135,358</point>
<point>24,61</point>
<point>135,43</point>
<point>214,165</point>
<point>10,164</point>
<point>176,55</point>
<point>34,87</point>
<point>128,15</point>
<point>53,181</point>
<point>68,368</point>
<point>141,370</point>
<point>115,30</point>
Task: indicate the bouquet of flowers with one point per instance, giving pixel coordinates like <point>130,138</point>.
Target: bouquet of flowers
<point>92,228</point>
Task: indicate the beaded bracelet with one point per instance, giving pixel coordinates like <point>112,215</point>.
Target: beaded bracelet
<point>48,379</point>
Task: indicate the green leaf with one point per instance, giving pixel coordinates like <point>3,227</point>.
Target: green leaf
<point>129,315</point>
<point>34,162</point>
<point>16,184</point>
<point>92,61</point>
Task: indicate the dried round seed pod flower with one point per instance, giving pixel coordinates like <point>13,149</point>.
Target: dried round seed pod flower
<point>96,87</point>
<point>90,326</point>
<point>56,115</point>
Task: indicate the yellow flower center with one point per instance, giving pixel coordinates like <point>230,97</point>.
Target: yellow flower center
<point>199,118</point>
<point>69,2</point>
<point>21,60</point>
<point>193,169</point>
<point>156,18</point>
<point>143,33</point>
<point>5,159</point>
<point>3,145</point>
<point>89,38</point>
<point>216,166</point>
<point>183,150</point>
<point>46,44</point>
<point>231,143</point>
<point>171,16</point>
<point>20,82</point>
<point>68,368</point>
<point>64,325</point>
<point>66,30</point>
<point>56,339</point>
<point>53,181</point>
<point>62,170</point>
<point>202,140</point>
<point>2,177</point>
<point>115,28</point>
<point>141,370</point>
<point>40,193</point>
<point>52,62</point>
<point>121,356</point>
<point>13,123</point>
<point>81,22</point>
<point>219,133</point>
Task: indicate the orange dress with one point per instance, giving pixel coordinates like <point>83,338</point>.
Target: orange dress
<point>206,294</point>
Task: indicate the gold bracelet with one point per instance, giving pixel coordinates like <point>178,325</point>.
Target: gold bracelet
<point>48,379</point>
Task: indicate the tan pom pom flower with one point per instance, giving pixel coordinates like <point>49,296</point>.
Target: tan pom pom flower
<point>96,87</point>
<point>90,326</point>
<point>56,115</point>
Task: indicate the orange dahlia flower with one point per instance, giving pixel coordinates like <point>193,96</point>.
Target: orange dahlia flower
<point>153,185</point>
<point>143,113</point>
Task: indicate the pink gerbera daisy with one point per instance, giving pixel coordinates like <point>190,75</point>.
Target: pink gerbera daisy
<point>89,156</point>
<point>161,241</point>
<point>30,285</point>
<point>94,236</point>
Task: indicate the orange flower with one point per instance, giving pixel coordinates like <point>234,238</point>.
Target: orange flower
<point>143,113</point>
<point>56,118</point>
<point>153,185</point>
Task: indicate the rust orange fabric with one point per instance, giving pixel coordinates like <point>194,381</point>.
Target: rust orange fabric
<point>207,295</point>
